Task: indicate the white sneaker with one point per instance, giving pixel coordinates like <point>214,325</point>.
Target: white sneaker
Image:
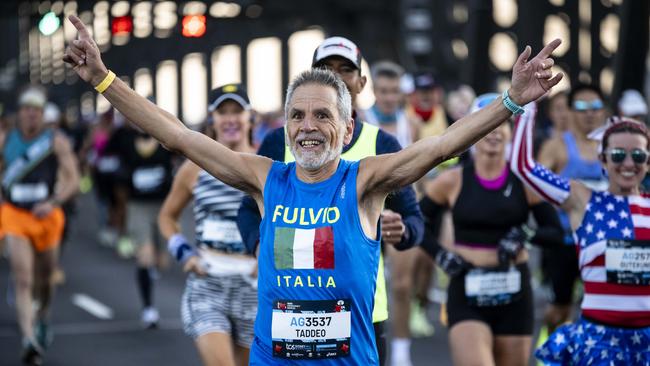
<point>150,317</point>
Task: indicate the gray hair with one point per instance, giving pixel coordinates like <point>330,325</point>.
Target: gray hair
<point>387,69</point>
<point>326,78</point>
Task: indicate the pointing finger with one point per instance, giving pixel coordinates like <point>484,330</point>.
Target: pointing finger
<point>83,31</point>
<point>548,50</point>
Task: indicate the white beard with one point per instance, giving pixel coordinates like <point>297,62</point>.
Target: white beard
<point>314,160</point>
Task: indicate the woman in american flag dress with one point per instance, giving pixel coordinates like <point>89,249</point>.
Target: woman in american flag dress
<point>612,235</point>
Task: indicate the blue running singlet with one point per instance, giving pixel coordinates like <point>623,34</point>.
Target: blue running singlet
<point>317,273</point>
<point>589,172</point>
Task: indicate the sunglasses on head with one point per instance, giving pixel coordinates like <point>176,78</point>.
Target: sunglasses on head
<point>583,105</point>
<point>617,155</point>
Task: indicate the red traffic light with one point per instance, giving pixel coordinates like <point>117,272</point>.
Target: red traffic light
<point>122,26</point>
<point>193,26</point>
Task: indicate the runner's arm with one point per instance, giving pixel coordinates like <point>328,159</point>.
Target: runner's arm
<point>68,179</point>
<point>548,185</point>
<point>530,80</point>
<point>246,172</point>
<point>434,203</point>
<point>177,199</point>
<point>549,232</point>
<point>249,215</point>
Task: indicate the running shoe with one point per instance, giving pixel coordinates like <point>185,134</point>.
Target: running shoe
<point>419,323</point>
<point>43,334</point>
<point>150,317</point>
<point>32,353</point>
<point>125,248</point>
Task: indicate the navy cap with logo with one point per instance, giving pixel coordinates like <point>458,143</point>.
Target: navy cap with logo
<point>235,92</point>
<point>424,81</point>
<point>337,46</point>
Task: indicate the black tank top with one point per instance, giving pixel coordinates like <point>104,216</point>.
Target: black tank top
<point>149,177</point>
<point>483,216</point>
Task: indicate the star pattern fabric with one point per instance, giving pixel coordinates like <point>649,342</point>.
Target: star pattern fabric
<point>586,343</point>
<point>610,217</point>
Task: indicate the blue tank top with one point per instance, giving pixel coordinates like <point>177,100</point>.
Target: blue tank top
<point>317,273</point>
<point>576,167</point>
<point>16,146</point>
<point>588,171</point>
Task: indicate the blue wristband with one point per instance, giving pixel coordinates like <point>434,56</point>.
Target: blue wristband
<point>179,248</point>
<point>510,105</point>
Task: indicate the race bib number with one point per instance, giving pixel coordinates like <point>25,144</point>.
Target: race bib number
<point>148,179</point>
<point>224,231</point>
<point>29,192</point>
<point>492,287</point>
<point>311,329</point>
<point>628,262</point>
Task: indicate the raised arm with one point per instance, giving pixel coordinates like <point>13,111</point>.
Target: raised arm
<point>551,187</point>
<point>243,171</point>
<point>530,80</point>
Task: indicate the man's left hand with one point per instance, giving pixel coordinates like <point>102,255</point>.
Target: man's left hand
<point>532,78</point>
<point>43,209</point>
<point>392,227</point>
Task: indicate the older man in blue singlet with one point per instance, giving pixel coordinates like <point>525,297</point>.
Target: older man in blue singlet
<point>320,243</point>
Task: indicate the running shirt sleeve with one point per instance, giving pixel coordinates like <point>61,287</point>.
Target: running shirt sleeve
<point>402,201</point>
<point>248,223</point>
<point>548,185</point>
<point>273,145</point>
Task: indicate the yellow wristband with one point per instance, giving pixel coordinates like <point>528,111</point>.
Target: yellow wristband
<point>108,80</point>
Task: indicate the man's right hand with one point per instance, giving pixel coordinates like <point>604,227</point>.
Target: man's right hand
<point>193,264</point>
<point>84,56</point>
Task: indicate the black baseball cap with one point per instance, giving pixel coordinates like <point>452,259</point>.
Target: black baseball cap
<point>235,92</point>
<point>424,81</point>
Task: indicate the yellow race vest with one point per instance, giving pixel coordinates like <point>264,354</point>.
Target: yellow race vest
<point>366,145</point>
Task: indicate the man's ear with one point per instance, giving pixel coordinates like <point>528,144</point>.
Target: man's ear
<point>362,82</point>
<point>349,131</point>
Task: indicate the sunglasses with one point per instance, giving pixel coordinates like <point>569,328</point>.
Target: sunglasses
<point>617,155</point>
<point>583,105</point>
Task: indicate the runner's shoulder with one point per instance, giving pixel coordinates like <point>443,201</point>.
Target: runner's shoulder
<point>61,140</point>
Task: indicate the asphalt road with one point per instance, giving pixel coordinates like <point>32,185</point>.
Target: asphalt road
<point>113,335</point>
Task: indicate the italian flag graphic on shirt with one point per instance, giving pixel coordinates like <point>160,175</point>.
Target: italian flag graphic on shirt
<point>295,248</point>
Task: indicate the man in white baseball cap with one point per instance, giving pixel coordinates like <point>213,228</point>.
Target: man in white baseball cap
<point>337,46</point>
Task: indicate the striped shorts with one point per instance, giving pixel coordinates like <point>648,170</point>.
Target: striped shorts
<point>220,304</point>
